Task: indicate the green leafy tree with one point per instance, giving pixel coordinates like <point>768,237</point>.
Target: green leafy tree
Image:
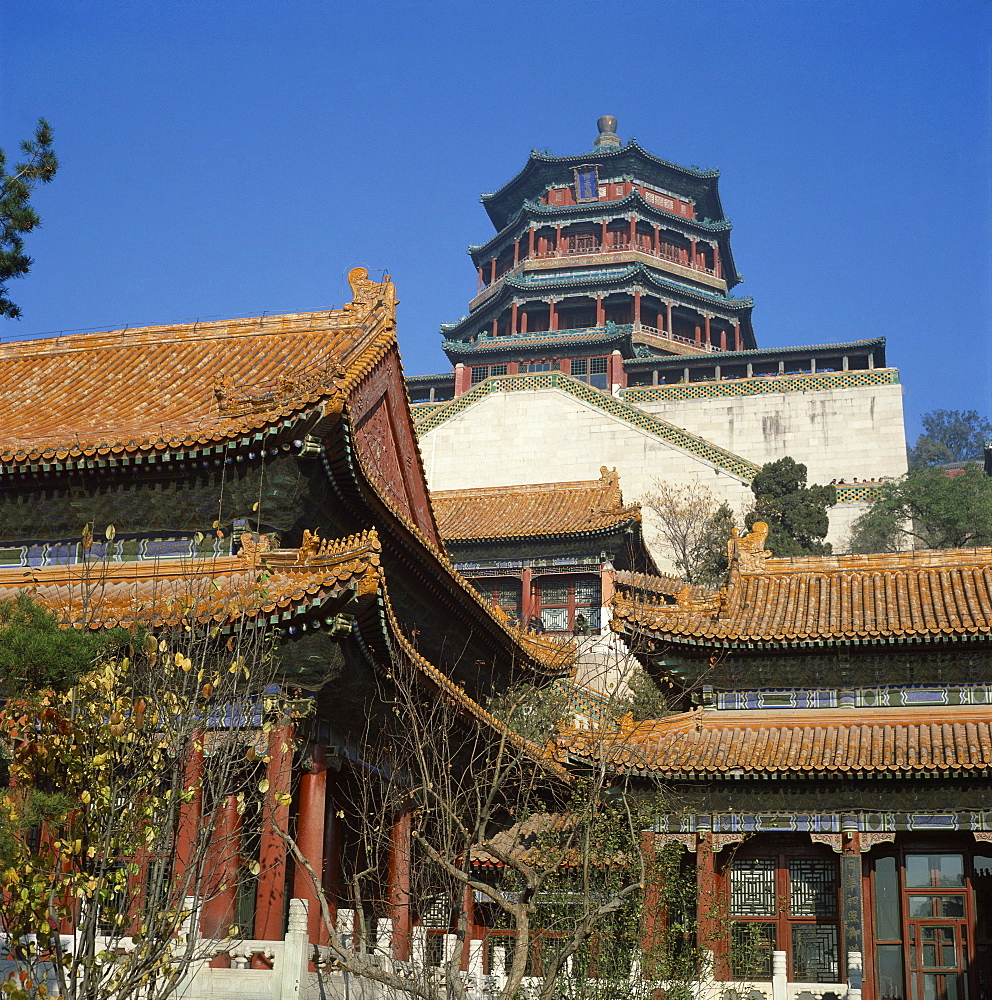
<point>928,509</point>
<point>36,652</point>
<point>17,216</point>
<point>950,436</point>
<point>647,701</point>
<point>711,569</point>
<point>796,514</point>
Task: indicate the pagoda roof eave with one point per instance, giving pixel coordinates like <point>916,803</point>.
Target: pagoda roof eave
<point>620,340</point>
<point>536,210</point>
<point>500,204</point>
<point>513,285</point>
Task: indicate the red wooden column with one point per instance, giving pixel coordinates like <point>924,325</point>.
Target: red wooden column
<point>558,241</point>
<point>495,324</point>
<point>331,875</point>
<point>310,838</point>
<point>526,595</point>
<point>699,333</point>
<point>600,311</point>
<point>523,321</point>
<point>513,318</point>
<point>553,317</point>
<point>480,280</point>
<point>400,900</point>
<point>516,252</point>
<point>723,338</point>
<point>270,903</point>
<point>717,266</point>
<point>737,336</point>
<point>190,816</point>
<point>706,900</point>
<point>221,875</point>
<point>468,907</point>
<point>692,252</point>
<point>668,317</point>
<point>530,242</point>
<point>637,305</point>
<point>706,317</point>
<point>492,271</point>
<point>633,229</point>
<point>657,241</point>
<point>602,237</point>
<point>652,924</point>
<point>617,375</point>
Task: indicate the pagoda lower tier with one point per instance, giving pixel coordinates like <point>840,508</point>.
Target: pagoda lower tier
<point>617,356</point>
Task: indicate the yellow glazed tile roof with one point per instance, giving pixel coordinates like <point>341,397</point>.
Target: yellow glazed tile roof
<point>497,512</point>
<point>773,741</point>
<point>906,596</point>
<point>166,387</point>
<point>255,583</point>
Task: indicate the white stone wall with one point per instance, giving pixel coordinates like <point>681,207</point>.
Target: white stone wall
<point>835,433</point>
<point>548,435</point>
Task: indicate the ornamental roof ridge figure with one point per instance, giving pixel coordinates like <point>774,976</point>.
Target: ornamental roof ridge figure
<point>607,138</point>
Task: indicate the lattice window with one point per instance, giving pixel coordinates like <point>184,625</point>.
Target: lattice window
<point>752,889</point>
<point>501,592</point>
<point>813,887</point>
<point>751,947</point>
<point>570,603</point>
<point>815,953</point>
<point>482,372</point>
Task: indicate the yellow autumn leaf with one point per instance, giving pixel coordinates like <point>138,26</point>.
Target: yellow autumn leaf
<point>263,785</point>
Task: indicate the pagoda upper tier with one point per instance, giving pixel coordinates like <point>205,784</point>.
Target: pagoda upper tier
<point>613,237</point>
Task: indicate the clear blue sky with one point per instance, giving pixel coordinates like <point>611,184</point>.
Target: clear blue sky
<point>229,158</point>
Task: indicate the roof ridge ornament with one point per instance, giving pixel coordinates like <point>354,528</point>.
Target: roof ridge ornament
<point>607,138</point>
<point>748,551</point>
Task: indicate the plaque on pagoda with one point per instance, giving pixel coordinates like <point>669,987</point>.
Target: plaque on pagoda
<point>586,182</point>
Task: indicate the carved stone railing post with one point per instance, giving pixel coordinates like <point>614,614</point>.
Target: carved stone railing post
<point>779,980</point>
<point>855,975</point>
<point>295,952</point>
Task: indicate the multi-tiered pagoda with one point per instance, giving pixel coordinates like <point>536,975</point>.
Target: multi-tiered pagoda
<point>615,267</point>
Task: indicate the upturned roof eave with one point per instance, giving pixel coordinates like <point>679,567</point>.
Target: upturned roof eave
<point>977,634</point>
<point>491,201</point>
<point>511,287</point>
<point>610,529</point>
<point>533,210</point>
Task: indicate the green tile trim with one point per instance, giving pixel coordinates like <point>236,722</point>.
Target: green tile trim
<point>760,385</point>
<point>692,443</point>
<point>859,493</point>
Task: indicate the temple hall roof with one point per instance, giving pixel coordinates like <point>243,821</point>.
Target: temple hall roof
<point>138,392</point>
<point>887,597</point>
<point>503,512</point>
<point>257,584</point>
<point>734,744</point>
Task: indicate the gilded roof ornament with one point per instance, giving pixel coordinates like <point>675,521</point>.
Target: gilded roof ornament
<point>749,550</point>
